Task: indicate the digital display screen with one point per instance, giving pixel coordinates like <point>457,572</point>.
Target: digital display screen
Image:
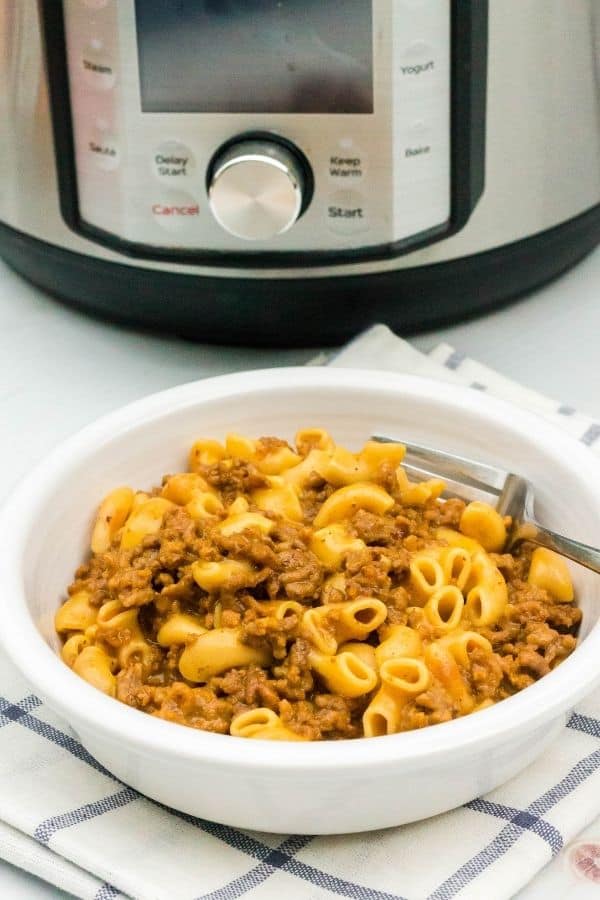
<point>255,56</point>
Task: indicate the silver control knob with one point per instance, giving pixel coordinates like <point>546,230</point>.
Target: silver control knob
<point>256,189</point>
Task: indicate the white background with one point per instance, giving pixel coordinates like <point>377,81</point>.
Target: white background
<point>60,370</point>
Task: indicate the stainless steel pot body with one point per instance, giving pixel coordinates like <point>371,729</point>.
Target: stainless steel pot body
<point>542,146</point>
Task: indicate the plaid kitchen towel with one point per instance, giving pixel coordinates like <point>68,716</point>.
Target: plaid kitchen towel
<point>66,819</point>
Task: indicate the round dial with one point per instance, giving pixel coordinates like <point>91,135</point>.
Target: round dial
<point>256,188</point>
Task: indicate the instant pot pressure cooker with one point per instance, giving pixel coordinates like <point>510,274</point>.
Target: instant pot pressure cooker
<point>288,171</point>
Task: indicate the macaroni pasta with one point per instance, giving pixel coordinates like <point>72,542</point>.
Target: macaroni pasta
<point>308,592</point>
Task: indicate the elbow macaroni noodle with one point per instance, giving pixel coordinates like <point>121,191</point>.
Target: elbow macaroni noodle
<point>262,723</point>
<point>550,572</point>
<point>217,651</point>
<point>291,594</point>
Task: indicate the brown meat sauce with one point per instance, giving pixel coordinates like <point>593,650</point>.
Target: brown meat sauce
<point>533,636</point>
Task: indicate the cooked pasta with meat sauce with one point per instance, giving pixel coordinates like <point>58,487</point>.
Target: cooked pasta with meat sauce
<point>310,593</point>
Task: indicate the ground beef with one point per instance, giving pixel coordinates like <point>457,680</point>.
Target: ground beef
<point>373,529</point>
<point>156,580</point>
<point>183,595</point>
<point>233,477</point>
<point>564,617</point>
<point>445,515</point>
<point>290,535</point>
<point>133,586</point>
<point>298,574</point>
<point>327,716</point>
<point>198,707</point>
<point>246,688</point>
<point>131,688</point>
<point>266,445</point>
<point>315,494</point>
<point>536,633</point>
<point>260,630</point>
<point>294,676</point>
<point>249,545</point>
<point>376,571</point>
<point>429,708</point>
<point>485,675</point>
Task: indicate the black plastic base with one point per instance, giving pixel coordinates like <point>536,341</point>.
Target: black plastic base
<point>300,312</point>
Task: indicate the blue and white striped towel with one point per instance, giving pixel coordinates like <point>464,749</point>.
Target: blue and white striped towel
<point>66,819</point>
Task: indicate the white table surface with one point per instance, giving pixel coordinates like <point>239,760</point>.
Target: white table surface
<point>60,370</point>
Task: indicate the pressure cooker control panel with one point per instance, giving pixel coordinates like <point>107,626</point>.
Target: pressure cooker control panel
<point>303,127</point>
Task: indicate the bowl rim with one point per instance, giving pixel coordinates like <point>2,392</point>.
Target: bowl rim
<point>84,706</point>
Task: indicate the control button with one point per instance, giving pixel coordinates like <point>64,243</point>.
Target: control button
<point>417,146</point>
<point>417,130</point>
<point>175,210</point>
<point>104,150</point>
<point>98,67</point>
<point>347,164</point>
<point>256,189</point>
<point>418,65</point>
<point>173,163</point>
<point>423,141</point>
<point>347,213</point>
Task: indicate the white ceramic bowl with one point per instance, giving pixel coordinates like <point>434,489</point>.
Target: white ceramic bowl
<point>316,788</point>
